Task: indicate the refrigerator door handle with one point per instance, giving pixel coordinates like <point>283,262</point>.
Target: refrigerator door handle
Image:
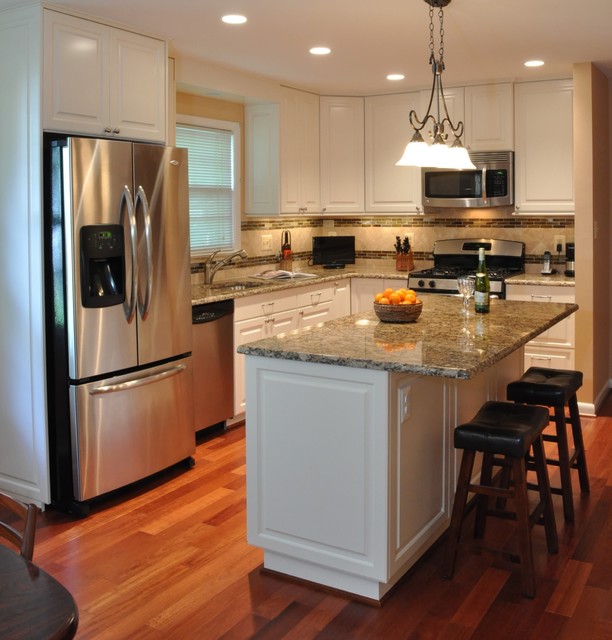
<point>144,306</point>
<point>126,203</point>
<point>130,384</point>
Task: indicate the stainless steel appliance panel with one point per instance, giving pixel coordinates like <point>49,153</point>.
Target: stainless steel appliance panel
<point>128,427</point>
<point>213,363</point>
<point>98,181</point>
<point>162,222</point>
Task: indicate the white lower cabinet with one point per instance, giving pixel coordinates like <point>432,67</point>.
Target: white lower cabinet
<point>351,472</point>
<point>553,349</point>
<point>268,314</point>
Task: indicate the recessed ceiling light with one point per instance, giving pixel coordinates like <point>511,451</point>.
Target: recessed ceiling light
<point>320,51</point>
<point>534,63</point>
<point>234,19</point>
<point>396,76</point>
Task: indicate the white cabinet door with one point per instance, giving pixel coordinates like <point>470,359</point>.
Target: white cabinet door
<point>103,81</point>
<point>341,302</point>
<point>75,48</point>
<point>363,291</point>
<point>138,93</point>
<point>489,117</point>
<point>342,154</point>
<point>555,348</point>
<point>389,188</point>
<point>299,118</point>
<point>544,167</point>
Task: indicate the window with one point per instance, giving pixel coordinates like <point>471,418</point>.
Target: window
<point>214,179</point>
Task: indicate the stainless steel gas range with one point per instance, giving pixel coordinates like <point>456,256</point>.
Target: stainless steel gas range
<point>459,256</point>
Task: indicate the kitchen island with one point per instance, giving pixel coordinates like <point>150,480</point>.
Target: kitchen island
<point>350,461</point>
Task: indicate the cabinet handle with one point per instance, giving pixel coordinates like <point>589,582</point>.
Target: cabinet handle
<point>315,298</point>
<point>536,298</point>
<point>267,308</point>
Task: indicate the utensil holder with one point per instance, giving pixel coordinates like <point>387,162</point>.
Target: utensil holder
<point>404,261</point>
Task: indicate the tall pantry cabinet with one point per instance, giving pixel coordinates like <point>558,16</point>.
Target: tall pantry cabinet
<point>30,89</point>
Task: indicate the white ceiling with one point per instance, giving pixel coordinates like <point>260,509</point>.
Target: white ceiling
<point>485,40</point>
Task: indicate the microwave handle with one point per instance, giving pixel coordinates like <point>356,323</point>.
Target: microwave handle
<point>485,195</point>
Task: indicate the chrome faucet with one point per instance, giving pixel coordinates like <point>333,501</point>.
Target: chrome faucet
<point>211,268</point>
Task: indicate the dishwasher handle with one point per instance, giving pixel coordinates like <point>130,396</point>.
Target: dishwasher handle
<point>203,313</point>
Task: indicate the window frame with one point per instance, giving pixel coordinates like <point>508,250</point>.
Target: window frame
<point>234,127</point>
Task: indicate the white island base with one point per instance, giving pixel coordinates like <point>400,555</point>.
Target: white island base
<point>351,472</point>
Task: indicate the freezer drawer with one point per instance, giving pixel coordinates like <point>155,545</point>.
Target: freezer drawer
<point>127,427</point>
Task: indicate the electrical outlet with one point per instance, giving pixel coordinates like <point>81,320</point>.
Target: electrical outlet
<point>266,242</point>
<point>404,397</point>
<point>559,244</point>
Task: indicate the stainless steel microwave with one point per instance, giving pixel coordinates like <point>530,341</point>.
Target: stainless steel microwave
<point>491,184</point>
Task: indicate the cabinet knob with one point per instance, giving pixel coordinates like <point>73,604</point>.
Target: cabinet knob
<point>116,130</point>
<point>107,130</point>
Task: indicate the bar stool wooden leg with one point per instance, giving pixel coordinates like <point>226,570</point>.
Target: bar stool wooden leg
<point>486,473</point>
<point>580,456</point>
<point>564,464</point>
<point>454,531</point>
<point>524,530</point>
<point>550,526</point>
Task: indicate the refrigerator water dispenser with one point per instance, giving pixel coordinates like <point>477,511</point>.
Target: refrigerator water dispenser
<point>102,265</point>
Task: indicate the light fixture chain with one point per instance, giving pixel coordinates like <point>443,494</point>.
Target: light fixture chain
<point>441,16</point>
<point>432,44</point>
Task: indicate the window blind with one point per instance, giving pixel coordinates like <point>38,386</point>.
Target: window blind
<point>211,187</point>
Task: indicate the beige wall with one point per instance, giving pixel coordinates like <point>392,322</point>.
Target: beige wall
<point>205,107</point>
<point>592,229</point>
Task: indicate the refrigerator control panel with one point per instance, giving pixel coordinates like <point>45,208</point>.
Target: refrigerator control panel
<point>102,265</point>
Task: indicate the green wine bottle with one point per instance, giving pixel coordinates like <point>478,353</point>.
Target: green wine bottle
<point>481,285</point>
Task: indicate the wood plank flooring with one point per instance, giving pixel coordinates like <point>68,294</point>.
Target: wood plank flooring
<point>169,559</point>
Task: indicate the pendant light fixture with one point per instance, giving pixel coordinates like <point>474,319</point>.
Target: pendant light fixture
<point>419,153</point>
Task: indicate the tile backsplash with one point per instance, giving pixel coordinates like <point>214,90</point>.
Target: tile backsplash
<point>375,235</point>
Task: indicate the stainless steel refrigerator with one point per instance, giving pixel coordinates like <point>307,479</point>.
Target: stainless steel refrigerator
<point>118,325</point>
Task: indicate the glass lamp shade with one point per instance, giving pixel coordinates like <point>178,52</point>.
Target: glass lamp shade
<point>416,154</point>
<point>459,156</point>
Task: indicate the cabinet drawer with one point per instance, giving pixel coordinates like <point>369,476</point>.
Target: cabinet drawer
<point>540,293</point>
<point>263,304</point>
<point>537,356</point>
<point>314,295</point>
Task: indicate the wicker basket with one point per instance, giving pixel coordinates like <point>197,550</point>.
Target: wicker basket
<point>398,312</point>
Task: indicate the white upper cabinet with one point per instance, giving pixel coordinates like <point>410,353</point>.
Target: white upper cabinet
<point>489,117</point>
<point>342,154</point>
<point>299,121</point>
<point>389,188</point>
<point>103,81</point>
<point>544,166</point>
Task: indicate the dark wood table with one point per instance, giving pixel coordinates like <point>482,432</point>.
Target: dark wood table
<point>33,604</point>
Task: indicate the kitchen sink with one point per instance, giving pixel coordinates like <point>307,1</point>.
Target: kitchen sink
<point>241,285</point>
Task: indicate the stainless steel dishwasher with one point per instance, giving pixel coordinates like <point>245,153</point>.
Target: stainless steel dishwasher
<point>213,363</point>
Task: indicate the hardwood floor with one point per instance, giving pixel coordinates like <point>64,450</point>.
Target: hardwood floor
<point>169,559</point>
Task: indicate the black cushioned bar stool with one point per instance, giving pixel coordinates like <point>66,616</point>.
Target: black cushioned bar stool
<point>505,433</point>
<point>556,389</point>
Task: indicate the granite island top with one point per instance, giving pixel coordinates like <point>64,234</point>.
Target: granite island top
<point>442,342</point>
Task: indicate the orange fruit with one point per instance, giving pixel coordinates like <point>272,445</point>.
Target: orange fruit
<point>384,300</point>
<point>388,291</point>
<point>378,296</point>
<point>395,298</point>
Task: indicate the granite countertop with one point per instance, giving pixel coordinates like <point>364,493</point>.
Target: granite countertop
<point>442,342</point>
<point>239,283</point>
<point>239,286</point>
<point>554,279</point>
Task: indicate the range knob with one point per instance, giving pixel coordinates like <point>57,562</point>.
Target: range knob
<point>421,283</point>
<point>432,284</point>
